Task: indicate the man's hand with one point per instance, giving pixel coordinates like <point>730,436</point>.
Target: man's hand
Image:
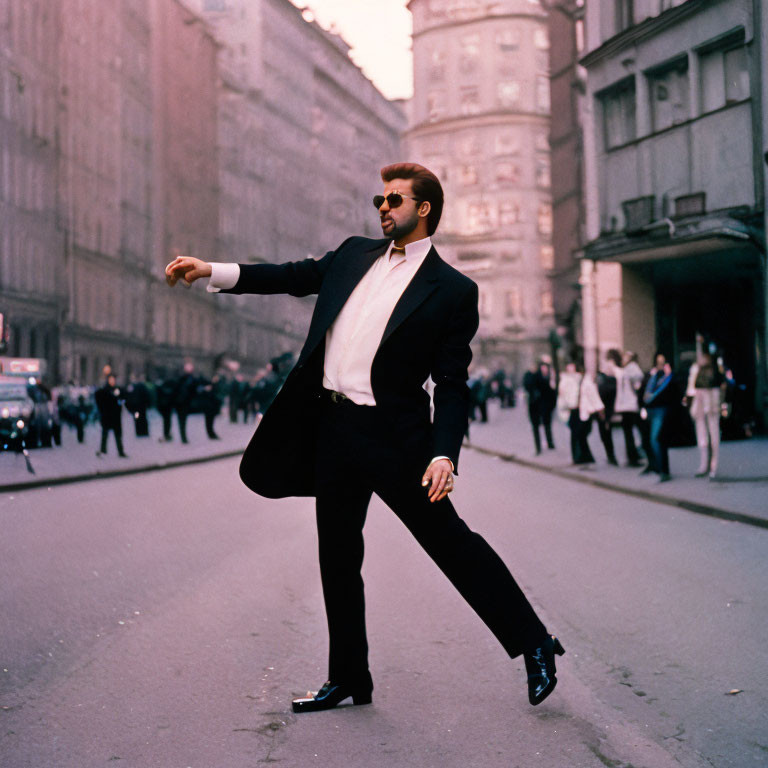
<point>187,269</point>
<point>438,479</point>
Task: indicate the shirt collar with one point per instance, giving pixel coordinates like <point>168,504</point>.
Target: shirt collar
<point>415,250</point>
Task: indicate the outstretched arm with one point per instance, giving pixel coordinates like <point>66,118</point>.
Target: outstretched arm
<point>297,278</point>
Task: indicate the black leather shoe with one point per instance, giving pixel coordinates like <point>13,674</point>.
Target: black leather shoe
<point>330,695</point>
<point>540,665</point>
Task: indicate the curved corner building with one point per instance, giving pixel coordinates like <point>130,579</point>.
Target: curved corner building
<point>480,121</point>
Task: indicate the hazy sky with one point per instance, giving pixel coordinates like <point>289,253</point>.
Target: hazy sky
<point>379,32</point>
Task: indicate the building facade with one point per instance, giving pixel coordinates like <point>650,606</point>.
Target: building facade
<point>137,129</point>
<point>302,137</point>
<point>32,276</point>
<point>480,121</point>
<point>566,32</point>
<point>676,183</point>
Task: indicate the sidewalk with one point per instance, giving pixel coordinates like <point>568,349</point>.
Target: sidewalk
<point>78,461</point>
<point>740,492</point>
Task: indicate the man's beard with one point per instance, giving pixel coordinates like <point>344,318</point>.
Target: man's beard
<point>402,229</point>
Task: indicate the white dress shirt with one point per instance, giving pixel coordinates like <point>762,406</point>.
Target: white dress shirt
<point>354,336</point>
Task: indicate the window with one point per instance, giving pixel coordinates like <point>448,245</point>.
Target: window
<point>507,144</point>
<point>479,218</point>
<point>509,213</point>
<point>547,257</point>
<point>579,35</point>
<point>545,219</point>
<point>668,90</point>
<point>468,145</point>
<point>543,172</point>
<point>469,100</point>
<point>508,93</point>
<point>437,61</point>
<point>514,301</point>
<point>541,39</point>
<point>547,307</point>
<point>625,14</point>
<point>470,52</point>
<point>724,77</point>
<point>507,172</point>
<point>435,104</point>
<point>542,93</point>
<point>511,256</point>
<point>469,175</point>
<point>508,40</point>
<point>484,303</point>
<point>619,114</point>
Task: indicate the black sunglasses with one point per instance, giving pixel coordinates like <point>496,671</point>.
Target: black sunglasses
<point>395,200</point>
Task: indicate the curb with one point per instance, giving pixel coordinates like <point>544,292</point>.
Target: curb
<point>658,498</point>
<point>65,479</point>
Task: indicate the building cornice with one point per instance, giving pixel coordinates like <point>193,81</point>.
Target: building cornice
<point>481,120</point>
<point>453,23</point>
<point>646,28</point>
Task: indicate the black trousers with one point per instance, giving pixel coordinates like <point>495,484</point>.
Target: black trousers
<point>580,450</point>
<point>538,417</point>
<point>357,456</point>
<point>630,420</point>
<point>117,429</point>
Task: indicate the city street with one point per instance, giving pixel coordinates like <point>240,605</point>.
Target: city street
<point>166,619</point>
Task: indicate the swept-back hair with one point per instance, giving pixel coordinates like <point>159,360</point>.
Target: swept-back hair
<point>426,186</point>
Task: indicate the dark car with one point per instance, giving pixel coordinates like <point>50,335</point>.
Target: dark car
<point>16,412</point>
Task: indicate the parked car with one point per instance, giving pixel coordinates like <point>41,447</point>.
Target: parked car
<point>16,412</point>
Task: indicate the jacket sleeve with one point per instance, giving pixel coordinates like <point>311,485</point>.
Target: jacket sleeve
<point>297,278</point>
<point>450,374</point>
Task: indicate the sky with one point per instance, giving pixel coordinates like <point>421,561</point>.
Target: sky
<point>379,32</point>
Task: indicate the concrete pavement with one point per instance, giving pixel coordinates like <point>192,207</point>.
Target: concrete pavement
<point>73,461</point>
<point>739,493</point>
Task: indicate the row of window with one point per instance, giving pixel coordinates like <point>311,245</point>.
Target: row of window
<point>509,95</point>
<point>508,256</point>
<point>723,78</point>
<point>485,218</point>
<point>514,304</point>
<point>470,51</point>
<point>506,143</point>
<point>504,172</point>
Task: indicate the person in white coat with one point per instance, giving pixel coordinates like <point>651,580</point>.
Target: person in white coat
<point>578,401</point>
<point>704,396</point>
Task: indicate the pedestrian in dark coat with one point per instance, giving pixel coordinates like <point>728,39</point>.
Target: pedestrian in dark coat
<point>109,401</point>
<point>165,392</point>
<point>542,398</point>
<point>137,401</point>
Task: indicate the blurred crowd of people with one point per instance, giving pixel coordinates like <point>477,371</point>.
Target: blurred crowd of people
<point>173,397</point>
<point>656,409</point>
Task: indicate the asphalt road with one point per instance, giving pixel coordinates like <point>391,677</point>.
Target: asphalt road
<point>167,619</point>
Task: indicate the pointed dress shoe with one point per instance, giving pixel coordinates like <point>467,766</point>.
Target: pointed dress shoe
<point>330,695</point>
<point>540,666</point>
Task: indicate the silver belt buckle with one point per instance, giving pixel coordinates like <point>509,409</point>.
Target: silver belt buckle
<point>337,397</point>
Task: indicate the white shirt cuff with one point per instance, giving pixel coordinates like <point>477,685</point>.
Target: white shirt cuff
<point>223,276</point>
<point>453,469</point>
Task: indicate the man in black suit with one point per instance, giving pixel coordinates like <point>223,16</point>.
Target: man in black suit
<point>353,419</point>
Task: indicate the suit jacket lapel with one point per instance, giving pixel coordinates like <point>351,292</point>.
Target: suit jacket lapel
<point>421,286</point>
<point>344,284</point>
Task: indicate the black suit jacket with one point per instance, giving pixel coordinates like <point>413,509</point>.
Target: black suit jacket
<point>427,334</point>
